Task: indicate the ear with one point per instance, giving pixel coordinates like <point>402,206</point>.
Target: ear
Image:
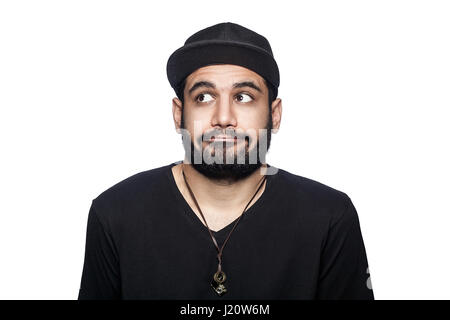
<point>177,110</point>
<point>276,114</point>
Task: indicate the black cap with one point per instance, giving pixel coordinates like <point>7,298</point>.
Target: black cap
<point>224,43</point>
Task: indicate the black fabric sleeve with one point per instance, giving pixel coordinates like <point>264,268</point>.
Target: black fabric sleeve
<point>101,278</point>
<point>344,272</point>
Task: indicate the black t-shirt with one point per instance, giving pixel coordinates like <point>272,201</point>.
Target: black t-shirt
<point>300,240</point>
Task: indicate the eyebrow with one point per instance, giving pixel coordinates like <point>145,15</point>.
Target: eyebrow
<point>200,84</point>
<point>208,84</point>
<point>244,84</point>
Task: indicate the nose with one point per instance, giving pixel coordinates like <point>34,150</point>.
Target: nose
<point>224,115</point>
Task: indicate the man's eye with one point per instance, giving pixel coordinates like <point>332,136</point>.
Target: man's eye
<point>203,97</point>
<point>243,97</point>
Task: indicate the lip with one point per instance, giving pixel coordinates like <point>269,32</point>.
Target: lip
<point>223,138</point>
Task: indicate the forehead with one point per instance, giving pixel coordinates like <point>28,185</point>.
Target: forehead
<point>224,75</point>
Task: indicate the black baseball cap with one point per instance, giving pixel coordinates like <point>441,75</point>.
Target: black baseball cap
<point>224,43</point>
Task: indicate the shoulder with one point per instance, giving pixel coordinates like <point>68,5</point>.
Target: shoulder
<point>310,197</point>
<point>308,188</point>
<point>130,192</point>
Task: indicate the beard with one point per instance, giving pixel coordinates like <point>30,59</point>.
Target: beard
<point>221,163</point>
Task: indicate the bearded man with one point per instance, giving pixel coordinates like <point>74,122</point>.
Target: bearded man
<point>222,223</point>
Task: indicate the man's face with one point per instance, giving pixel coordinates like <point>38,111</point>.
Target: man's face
<point>226,101</point>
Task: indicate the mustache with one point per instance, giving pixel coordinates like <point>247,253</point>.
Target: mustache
<point>230,133</point>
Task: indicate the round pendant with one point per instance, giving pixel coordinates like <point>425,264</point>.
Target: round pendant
<point>217,284</point>
<point>219,277</point>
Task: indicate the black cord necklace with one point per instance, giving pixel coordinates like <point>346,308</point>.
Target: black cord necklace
<point>220,277</point>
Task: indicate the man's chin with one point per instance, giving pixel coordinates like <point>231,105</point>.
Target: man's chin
<point>225,171</point>
<point>235,166</point>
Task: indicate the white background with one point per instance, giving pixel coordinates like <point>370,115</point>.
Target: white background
<point>85,103</point>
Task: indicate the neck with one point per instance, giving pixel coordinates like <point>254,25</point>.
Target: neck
<point>223,194</point>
